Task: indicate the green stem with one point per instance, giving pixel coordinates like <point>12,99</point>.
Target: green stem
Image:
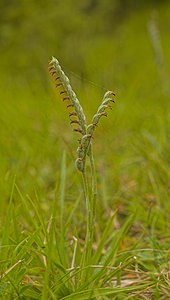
<point>90,198</point>
<point>88,241</point>
<point>93,178</point>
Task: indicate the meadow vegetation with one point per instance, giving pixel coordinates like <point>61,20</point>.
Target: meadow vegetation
<point>43,212</point>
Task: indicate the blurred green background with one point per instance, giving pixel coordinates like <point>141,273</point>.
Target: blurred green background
<point>111,44</point>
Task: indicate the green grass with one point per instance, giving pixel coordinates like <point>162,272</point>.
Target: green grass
<point>42,207</point>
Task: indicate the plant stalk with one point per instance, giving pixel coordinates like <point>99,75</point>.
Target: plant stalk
<point>90,198</point>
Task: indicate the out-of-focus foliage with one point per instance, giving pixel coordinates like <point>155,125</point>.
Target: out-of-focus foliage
<point>31,31</point>
<point>119,45</point>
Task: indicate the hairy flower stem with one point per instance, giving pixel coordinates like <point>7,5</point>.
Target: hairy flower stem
<point>90,198</point>
<point>93,174</point>
<point>88,239</point>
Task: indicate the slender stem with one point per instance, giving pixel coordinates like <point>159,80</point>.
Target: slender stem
<point>93,178</point>
<point>88,241</point>
<point>90,198</point>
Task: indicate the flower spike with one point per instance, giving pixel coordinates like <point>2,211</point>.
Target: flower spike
<point>85,141</point>
<point>63,82</point>
<point>77,115</point>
